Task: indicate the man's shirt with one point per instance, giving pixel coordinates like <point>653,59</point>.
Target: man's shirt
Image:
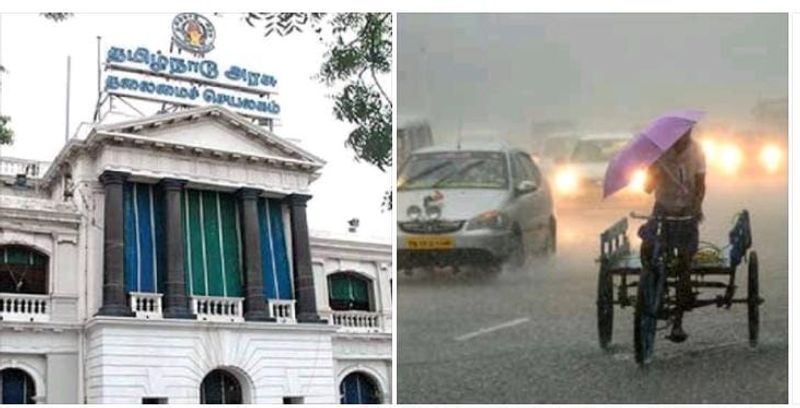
<point>677,187</point>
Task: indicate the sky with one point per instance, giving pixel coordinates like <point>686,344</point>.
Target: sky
<point>34,51</point>
<point>508,74</point>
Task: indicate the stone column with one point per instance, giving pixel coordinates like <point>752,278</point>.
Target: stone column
<point>255,305</point>
<point>176,302</point>
<point>114,296</point>
<point>304,292</point>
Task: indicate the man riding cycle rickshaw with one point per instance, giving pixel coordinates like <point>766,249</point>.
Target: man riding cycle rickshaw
<point>670,274</point>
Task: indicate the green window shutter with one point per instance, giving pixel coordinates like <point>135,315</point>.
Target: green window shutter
<point>360,290</point>
<point>340,288</point>
<point>348,292</point>
<point>212,258</point>
<point>194,258</point>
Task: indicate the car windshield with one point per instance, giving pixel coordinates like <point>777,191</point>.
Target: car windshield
<point>600,150</point>
<point>454,170</point>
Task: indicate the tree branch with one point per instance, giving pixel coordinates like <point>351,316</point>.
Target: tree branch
<point>380,88</point>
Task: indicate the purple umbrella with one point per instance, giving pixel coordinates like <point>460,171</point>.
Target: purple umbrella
<point>647,147</point>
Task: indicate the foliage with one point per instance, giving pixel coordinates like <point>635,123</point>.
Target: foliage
<point>360,52</point>
<point>57,17</point>
<point>6,133</point>
<point>387,201</point>
<point>284,24</point>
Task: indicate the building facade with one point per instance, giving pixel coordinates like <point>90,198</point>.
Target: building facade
<point>169,260</point>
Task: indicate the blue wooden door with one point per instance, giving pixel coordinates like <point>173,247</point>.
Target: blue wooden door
<point>16,387</point>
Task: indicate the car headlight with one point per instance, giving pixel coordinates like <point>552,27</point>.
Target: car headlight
<point>638,180</point>
<point>730,158</point>
<point>414,212</point>
<point>489,220</point>
<point>771,157</point>
<point>566,181</point>
<point>433,212</point>
<point>710,149</point>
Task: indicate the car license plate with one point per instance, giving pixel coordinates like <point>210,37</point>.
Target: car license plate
<point>429,242</point>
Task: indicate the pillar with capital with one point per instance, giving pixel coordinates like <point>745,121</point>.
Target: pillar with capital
<point>114,298</point>
<point>304,291</point>
<point>255,304</point>
<point>176,301</point>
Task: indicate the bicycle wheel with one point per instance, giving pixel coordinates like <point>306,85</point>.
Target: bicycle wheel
<point>644,317</point>
<point>605,307</point>
<point>753,301</point>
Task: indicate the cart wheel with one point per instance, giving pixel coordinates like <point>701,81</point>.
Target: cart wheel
<point>638,347</point>
<point>605,307</point>
<point>644,318</point>
<point>752,298</point>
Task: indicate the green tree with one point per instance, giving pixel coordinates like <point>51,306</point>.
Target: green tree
<point>359,53</point>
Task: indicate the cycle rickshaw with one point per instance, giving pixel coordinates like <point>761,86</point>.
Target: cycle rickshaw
<point>653,293</point>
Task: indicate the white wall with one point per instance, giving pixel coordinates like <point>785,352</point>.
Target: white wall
<point>128,361</point>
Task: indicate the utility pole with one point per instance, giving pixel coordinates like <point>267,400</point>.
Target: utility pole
<point>69,78</point>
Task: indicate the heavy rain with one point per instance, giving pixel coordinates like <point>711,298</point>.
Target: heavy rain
<point>568,92</point>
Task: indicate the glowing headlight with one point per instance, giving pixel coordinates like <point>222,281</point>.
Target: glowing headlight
<point>490,219</point>
<point>730,158</point>
<point>638,181</point>
<point>771,157</point>
<point>710,149</point>
<point>566,181</point>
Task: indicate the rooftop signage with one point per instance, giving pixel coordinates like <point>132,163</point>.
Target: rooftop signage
<point>193,32</point>
<point>191,80</point>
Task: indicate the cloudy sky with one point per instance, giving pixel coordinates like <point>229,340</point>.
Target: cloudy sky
<point>34,52</point>
<point>504,72</point>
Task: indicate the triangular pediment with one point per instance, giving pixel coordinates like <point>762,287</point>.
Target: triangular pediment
<point>213,128</point>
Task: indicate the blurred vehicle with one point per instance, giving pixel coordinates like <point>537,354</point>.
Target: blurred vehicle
<point>412,136</point>
<point>740,154</point>
<point>553,150</point>
<point>581,175</point>
<point>477,204</point>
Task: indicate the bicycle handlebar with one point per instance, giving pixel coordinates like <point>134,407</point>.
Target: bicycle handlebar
<point>634,215</point>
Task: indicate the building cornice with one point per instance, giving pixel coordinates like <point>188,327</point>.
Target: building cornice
<point>102,321</point>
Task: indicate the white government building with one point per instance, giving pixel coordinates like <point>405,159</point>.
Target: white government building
<point>168,260</point>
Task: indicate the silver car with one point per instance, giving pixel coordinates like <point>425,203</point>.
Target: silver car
<point>472,204</point>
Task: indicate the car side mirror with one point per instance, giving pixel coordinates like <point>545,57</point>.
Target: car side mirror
<point>526,186</point>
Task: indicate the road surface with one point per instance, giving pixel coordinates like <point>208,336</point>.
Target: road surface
<point>530,336</point>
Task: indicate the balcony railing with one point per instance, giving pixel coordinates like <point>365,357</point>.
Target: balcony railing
<point>24,308</point>
<point>146,305</point>
<point>282,310</point>
<point>218,309</point>
<point>357,321</point>
<point>10,166</point>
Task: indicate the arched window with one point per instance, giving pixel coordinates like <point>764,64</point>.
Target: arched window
<point>220,387</point>
<point>22,270</point>
<point>359,388</point>
<point>349,291</point>
<point>16,387</point>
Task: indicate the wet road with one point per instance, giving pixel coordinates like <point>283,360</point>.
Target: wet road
<point>530,336</point>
